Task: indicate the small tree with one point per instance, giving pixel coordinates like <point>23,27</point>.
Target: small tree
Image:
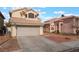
<point>8,24</point>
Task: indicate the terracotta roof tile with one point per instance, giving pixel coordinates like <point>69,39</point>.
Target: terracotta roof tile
<point>23,21</point>
<point>25,8</point>
<point>60,19</point>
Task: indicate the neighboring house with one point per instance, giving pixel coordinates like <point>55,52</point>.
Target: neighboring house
<point>66,24</point>
<point>25,22</point>
<point>1,24</point>
<point>49,25</point>
<point>1,20</point>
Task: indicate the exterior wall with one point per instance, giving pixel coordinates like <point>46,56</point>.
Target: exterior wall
<point>41,30</point>
<point>13,31</point>
<point>57,27</point>
<point>60,27</point>
<point>17,14</point>
<point>74,30</point>
<point>9,30</point>
<point>67,27</point>
<point>75,25</point>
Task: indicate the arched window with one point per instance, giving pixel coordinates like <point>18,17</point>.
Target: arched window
<point>31,15</point>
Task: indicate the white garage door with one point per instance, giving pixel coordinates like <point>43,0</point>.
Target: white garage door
<point>28,31</point>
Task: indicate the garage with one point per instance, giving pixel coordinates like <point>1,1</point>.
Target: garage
<point>28,31</point>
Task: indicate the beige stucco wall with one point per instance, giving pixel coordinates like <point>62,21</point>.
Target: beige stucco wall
<point>13,31</point>
<point>41,30</point>
<point>75,23</point>
<point>60,27</point>
<point>17,13</point>
<point>67,28</point>
<point>31,12</point>
<point>74,30</point>
<point>9,29</point>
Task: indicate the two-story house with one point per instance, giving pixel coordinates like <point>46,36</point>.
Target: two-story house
<point>25,22</point>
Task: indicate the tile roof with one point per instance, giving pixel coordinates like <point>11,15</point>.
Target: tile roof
<point>25,8</point>
<point>60,19</point>
<point>51,20</point>
<point>23,21</point>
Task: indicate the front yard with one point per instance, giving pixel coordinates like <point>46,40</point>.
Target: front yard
<point>8,44</point>
<point>60,37</point>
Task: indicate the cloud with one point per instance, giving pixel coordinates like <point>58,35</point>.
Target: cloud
<point>68,14</point>
<point>40,12</point>
<point>65,13</point>
<point>13,8</point>
<point>76,14</point>
<point>48,17</point>
<point>42,7</point>
<point>58,12</point>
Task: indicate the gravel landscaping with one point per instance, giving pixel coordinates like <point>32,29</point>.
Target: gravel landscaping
<point>61,38</point>
<point>8,44</point>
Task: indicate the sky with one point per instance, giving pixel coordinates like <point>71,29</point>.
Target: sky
<point>46,13</point>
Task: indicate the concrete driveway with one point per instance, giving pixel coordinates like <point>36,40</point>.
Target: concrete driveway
<point>39,44</point>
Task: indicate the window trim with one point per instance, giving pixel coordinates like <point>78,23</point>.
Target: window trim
<point>31,15</point>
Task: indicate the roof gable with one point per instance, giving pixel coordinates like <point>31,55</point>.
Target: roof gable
<point>25,9</point>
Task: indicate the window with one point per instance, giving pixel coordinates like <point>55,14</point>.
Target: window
<point>52,28</point>
<point>36,15</point>
<point>31,15</point>
<point>26,15</point>
<point>22,13</point>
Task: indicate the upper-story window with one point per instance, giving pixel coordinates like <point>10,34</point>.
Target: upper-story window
<point>31,15</point>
